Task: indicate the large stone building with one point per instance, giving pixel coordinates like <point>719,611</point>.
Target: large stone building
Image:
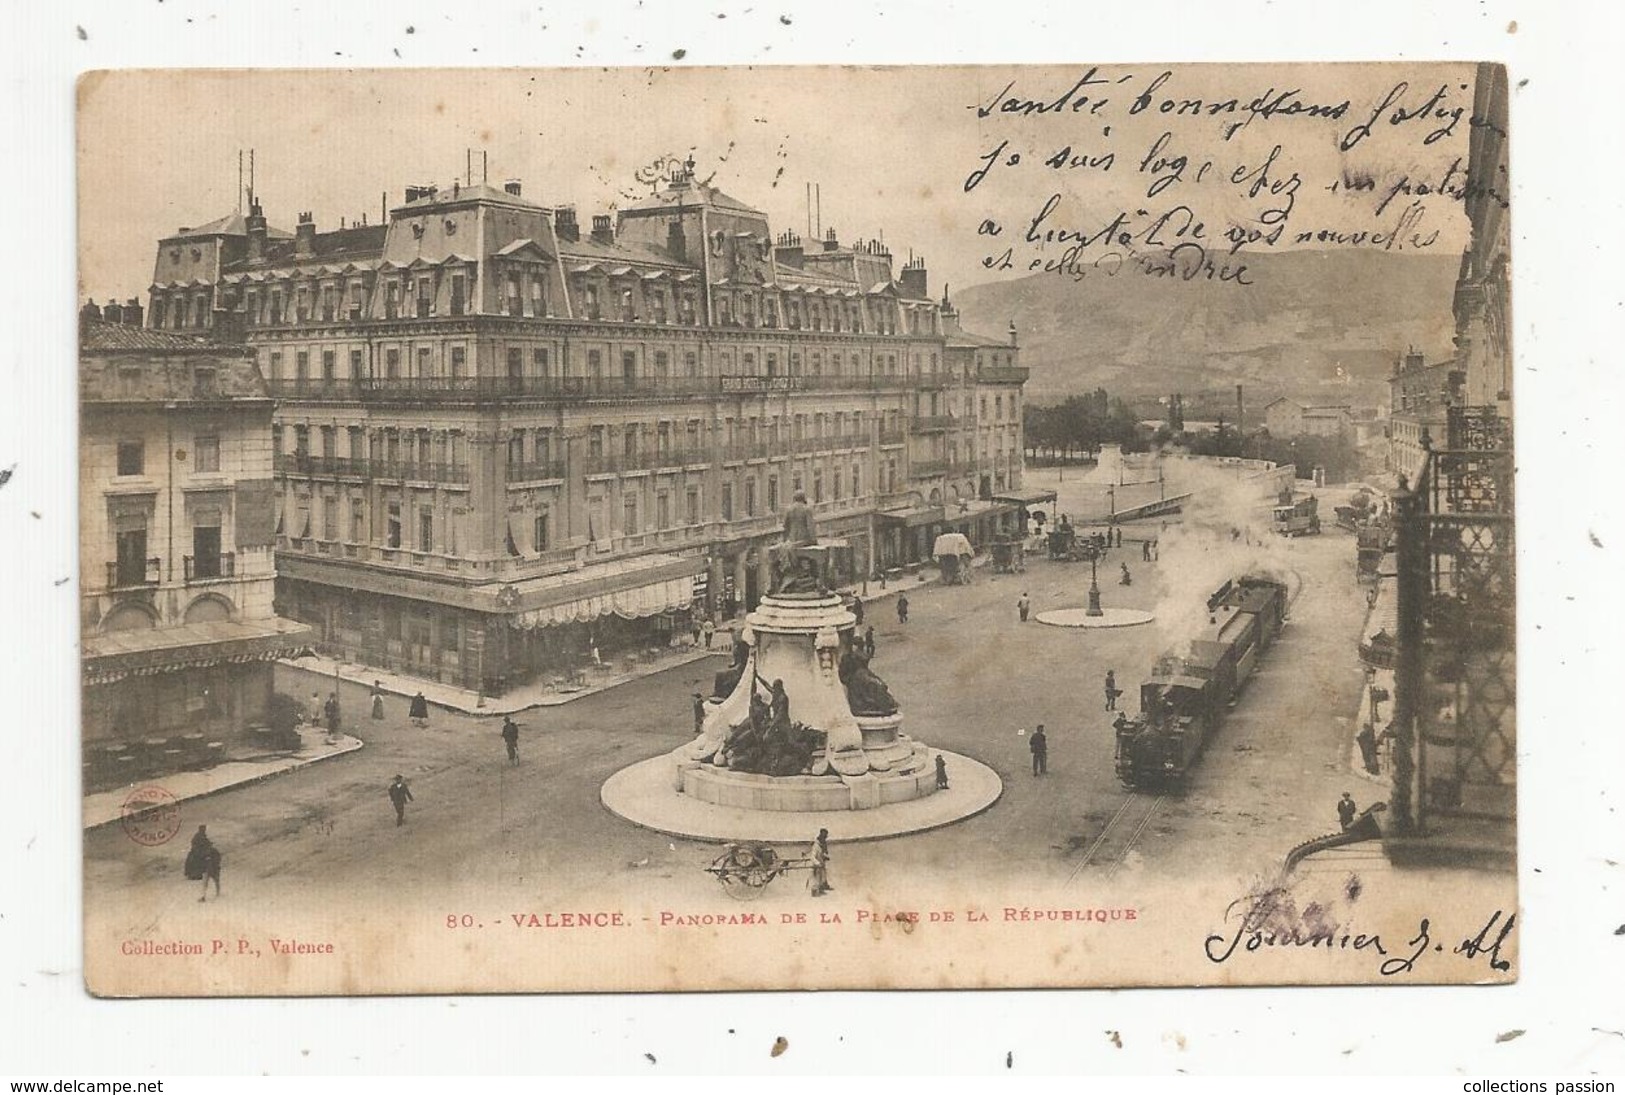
<point>1420,396</point>
<point>503,442</point>
<point>1289,418</point>
<point>175,547</point>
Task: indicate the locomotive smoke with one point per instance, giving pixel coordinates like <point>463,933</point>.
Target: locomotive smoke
<point>1199,553</point>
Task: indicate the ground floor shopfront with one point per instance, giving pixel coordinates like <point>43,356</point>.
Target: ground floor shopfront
<point>170,700</point>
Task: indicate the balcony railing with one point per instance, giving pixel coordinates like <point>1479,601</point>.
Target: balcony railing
<point>922,469</point>
<point>892,436</point>
<point>1002,374</point>
<point>479,389</point>
<point>535,470</point>
<point>933,423</point>
<point>203,568</point>
<point>133,576</point>
<point>293,463</point>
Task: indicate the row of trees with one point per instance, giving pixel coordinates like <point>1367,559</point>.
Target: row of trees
<point>1077,427</point>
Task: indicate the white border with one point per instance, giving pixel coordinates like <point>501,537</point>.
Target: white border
<point>1566,211</point>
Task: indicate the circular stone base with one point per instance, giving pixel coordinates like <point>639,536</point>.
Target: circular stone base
<point>645,795</point>
<point>1110,617</point>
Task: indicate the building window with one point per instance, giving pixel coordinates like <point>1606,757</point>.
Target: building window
<point>595,364</point>
<point>459,361</point>
<point>750,497</point>
<point>691,506</point>
<point>423,362</point>
<point>301,366</point>
<point>205,561</point>
<point>132,457</point>
<point>329,366</point>
<point>206,453</point>
<point>691,364</point>
<point>425,529</point>
<point>590,301</point>
<point>539,533</point>
<point>516,450</point>
<point>392,364</point>
<point>818,485</point>
<point>629,365</point>
<point>662,365</point>
<point>458,288</point>
<point>538,361</point>
<point>629,515</point>
<point>358,520</point>
<point>544,446</point>
<point>857,480</point>
<point>727,501</point>
<point>330,518</point>
<point>663,510</point>
<point>538,297</point>
<point>357,444</point>
<point>658,306</point>
<point>516,363</point>
<point>595,442</point>
<point>773,494</point>
<point>394,536</point>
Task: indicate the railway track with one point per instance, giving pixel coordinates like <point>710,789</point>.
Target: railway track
<point>1110,849</point>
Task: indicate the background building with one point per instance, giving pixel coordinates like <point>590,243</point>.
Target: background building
<point>1288,418</point>
<point>176,563</point>
<point>504,443</point>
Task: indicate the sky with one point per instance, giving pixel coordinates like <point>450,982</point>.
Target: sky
<point>890,149</point>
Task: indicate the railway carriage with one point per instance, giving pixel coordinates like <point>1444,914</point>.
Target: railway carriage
<point>1184,701</point>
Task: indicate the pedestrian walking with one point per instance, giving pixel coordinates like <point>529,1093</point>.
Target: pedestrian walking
<point>400,794</point>
<point>699,712</point>
<point>819,854</point>
<point>709,628</point>
<point>510,738</point>
<point>1039,744</point>
<point>378,700</point>
<point>313,712</point>
<point>902,608</point>
<point>942,773</point>
<point>331,709</point>
<point>857,611</point>
<point>699,632</point>
<point>419,710</point>
<point>1119,537</point>
<point>203,862</point>
<point>1127,579</point>
<point>1145,551</point>
<point>1112,691</point>
<point>1346,809</point>
<point>1024,605</point>
<point>869,643</point>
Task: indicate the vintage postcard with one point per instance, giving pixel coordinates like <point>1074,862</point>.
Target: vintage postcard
<point>778,528</point>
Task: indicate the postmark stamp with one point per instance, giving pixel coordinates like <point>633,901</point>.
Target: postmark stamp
<point>150,815</point>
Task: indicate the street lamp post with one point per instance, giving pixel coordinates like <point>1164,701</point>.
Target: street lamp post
<point>1094,608</point>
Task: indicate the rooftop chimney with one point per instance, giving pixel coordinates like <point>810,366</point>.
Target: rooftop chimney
<point>913,280</point>
<point>788,249</point>
<point>511,187</point>
<point>132,312</point>
<point>676,243</point>
<point>304,236</point>
<point>681,177</point>
<point>601,230</point>
<point>113,312</point>
<point>1012,334</point>
<point>829,240</point>
<point>89,312</point>
<point>564,222</point>
<point>1413,359</point>
<point>255,222</point>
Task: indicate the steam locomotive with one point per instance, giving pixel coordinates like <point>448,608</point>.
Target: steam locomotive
<point>1185,699</point>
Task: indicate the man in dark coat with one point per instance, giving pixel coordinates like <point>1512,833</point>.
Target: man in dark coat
<point>1111,690</point>
<point>857,612</point>
<point>510,738</point>
<point>331,710</point>
<point>400,794</point>
<point>1346,809</point>
<point>869,643</point>
<point>902,608</point>
<point>942,773</point>
<point>699,712</point>
<point>419,711</point>
<point>1039,744</point>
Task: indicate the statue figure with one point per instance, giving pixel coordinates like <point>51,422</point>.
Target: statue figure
<point>796,570</point>
<point>866,693</point>
<point>727,680</point>
<point>770,743</point>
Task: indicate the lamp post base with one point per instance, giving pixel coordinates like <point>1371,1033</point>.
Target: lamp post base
<point>1094,608</point>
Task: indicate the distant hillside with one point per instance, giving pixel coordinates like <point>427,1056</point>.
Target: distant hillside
<point>1306,313</point>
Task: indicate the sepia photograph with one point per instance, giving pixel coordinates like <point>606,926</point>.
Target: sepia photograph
<point>706,529</point>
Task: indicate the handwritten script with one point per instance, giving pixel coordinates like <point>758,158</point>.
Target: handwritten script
<point>1179,176</point>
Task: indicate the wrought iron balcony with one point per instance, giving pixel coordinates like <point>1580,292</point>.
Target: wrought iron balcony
<point>933,423</point>
<point>133,574</point>
<point>924,469</point>
<point>294,463</point>
<point>203,568</point>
